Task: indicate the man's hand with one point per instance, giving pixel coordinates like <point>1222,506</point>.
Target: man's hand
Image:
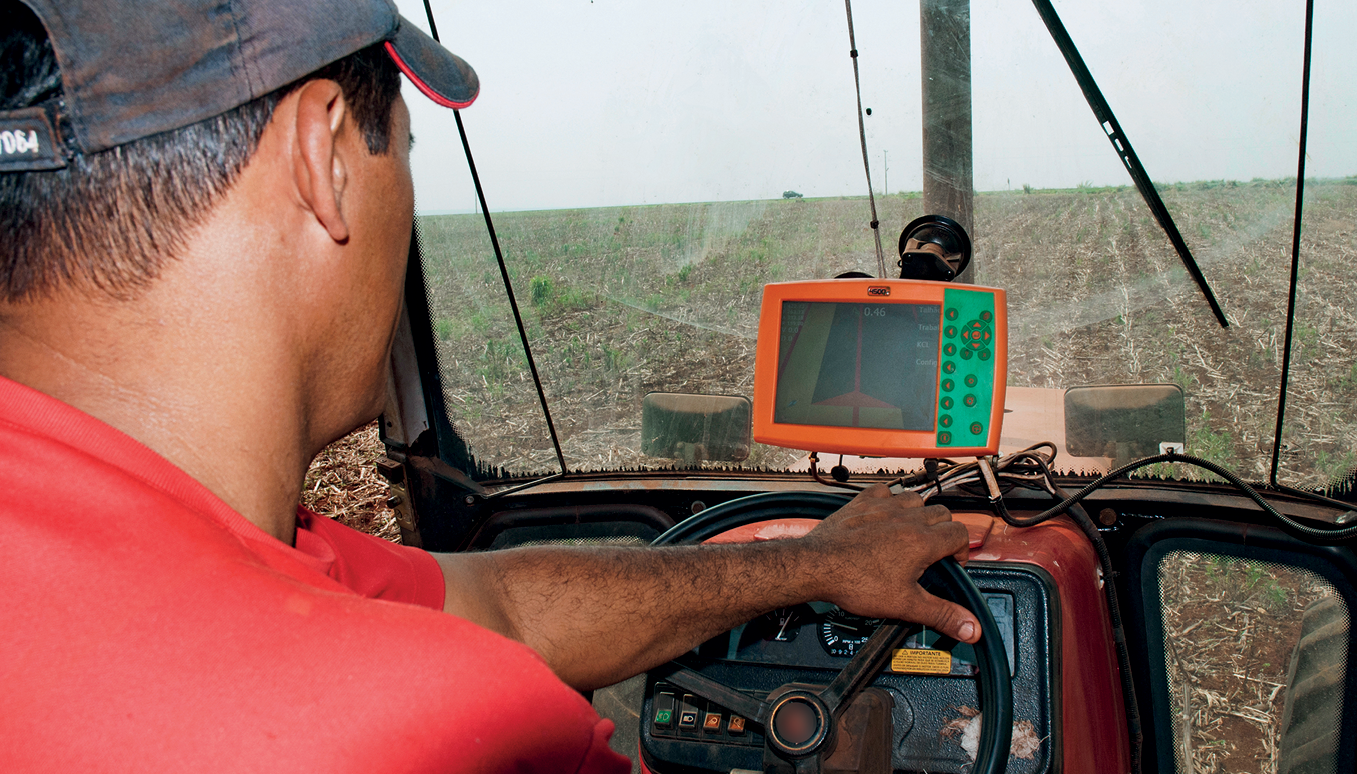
<point>873,550</point>
<point>601,615</point>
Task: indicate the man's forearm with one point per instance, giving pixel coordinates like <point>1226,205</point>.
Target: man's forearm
<point>600,615</point>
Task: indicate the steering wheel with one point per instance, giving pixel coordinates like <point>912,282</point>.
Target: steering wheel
<point>800,720</point>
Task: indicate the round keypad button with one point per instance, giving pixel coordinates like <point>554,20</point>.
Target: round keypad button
<point>984,354</point>
<point>948,366</point>
<point>948,385</point>
<point>966,354</point>
<point>945,420</point>
<point>971,381</point>
<point>951,314</point>
<point>969,400</point>
<point>944,438</point>
<point>949,350</point>
<point>986,315</point>
<point>950,331</point>
<point>977,428</point>
<point>947,402</point>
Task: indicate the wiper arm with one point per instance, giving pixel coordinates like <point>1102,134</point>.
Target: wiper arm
<point>1123,147</point>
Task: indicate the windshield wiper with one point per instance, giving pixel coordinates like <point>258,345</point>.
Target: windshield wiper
<point>1123,147</point>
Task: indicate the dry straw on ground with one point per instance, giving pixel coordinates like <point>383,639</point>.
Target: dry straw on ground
<point>343,484</point>
<point>624,301</point>
<point>1230,628</point>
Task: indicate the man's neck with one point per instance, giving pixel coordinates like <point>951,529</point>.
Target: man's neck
<point>267,335</point>
<point>181,379</point>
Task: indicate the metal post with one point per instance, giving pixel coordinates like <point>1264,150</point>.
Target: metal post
<point>949,188</point>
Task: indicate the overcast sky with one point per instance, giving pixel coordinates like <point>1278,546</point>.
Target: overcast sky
<point>587,104</point>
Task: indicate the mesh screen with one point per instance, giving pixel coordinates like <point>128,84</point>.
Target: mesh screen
<point>1256,658</point>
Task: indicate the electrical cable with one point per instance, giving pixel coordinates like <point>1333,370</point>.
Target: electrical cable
<point>862,135</point>
<point>504,275</point>
<point>1295,241</point>
<point>1031,468</point>
<point>815,474</point>
<point>1081,519</point>
<point>1318,536</point>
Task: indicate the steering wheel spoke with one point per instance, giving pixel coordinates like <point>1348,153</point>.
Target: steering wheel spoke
<point>800,721</point>
<point>736,701</point>
<point>864,666</point>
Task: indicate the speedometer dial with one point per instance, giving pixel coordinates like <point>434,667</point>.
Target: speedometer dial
<point>842,633</point>
<point>781,625</point>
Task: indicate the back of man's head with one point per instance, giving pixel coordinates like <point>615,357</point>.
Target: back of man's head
<point>108,220</point>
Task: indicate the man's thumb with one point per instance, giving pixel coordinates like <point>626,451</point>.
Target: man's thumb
<point>949,618</point>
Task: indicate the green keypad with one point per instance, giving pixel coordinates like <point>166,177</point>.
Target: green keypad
<point>971,317</point>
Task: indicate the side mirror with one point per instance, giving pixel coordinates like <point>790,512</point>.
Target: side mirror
<point>1124,421</point>
<point>695,428</point>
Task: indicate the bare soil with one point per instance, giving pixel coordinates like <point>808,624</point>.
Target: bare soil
<point>620,302</point>
<point>1230,627</point>
<point>343,484</point>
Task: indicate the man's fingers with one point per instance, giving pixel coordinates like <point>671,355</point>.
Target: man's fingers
<point>935,514</point>
<point>959,536</point>
<point>877,491</point>
<point>963,554</point>
<point>949,618</point>
<point>910,499</point>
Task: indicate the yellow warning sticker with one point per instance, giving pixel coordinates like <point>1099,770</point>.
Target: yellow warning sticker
<point>918,661</point>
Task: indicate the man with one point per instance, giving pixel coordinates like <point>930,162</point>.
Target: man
<point>205,212</point>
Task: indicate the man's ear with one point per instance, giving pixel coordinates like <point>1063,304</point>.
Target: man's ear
<point>320,169</point>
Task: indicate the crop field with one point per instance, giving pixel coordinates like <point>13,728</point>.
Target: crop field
<point>621,302</point>
<point>624,301</point>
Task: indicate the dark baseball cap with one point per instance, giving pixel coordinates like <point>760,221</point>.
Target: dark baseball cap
<point>134,68</point>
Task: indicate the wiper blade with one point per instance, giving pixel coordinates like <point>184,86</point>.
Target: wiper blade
<point>1123,147</point>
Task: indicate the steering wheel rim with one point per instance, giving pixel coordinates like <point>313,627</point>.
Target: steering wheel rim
<point>993,683</point>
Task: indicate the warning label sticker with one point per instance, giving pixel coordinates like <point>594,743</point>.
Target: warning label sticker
<point>917,661</point>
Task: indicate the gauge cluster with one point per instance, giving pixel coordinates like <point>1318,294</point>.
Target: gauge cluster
<point>822,635</point>
<point>931,679</point>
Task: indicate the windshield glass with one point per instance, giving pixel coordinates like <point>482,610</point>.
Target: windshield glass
<point>649,168</point>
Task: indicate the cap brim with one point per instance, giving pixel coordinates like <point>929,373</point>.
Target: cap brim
<point>440,74</point>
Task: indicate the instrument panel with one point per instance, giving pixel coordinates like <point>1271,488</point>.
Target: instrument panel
<point>930,680</point>
<point>777,638</point>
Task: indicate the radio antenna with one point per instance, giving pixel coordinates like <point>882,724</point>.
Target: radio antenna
<point>862,135</point>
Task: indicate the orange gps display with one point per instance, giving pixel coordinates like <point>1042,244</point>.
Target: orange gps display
<point>882,368</point>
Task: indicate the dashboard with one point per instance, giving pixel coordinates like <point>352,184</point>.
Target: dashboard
<point>930,681</point>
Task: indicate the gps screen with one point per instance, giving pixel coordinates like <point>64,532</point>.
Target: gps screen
<point>858,365</point>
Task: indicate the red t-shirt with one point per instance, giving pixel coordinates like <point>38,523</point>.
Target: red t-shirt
<point>145,626</point>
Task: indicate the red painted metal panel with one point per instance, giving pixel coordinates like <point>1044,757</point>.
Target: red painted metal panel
<point>1093,714</point>
<point>1093,717</point>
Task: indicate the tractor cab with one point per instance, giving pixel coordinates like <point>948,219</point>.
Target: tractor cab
<point>1080,272</point>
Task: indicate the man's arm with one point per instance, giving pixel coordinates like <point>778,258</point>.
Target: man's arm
<point>601,615</point>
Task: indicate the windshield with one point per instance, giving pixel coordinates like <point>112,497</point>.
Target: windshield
<point>649,168</point>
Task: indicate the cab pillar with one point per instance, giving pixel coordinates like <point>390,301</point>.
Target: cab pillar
<point>945,29</point>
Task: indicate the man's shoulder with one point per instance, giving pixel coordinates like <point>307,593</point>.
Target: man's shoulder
<point>142,629</point>
<point>145,648</point>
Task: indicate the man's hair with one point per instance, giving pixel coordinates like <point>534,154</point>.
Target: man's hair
<point>110,220</point>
